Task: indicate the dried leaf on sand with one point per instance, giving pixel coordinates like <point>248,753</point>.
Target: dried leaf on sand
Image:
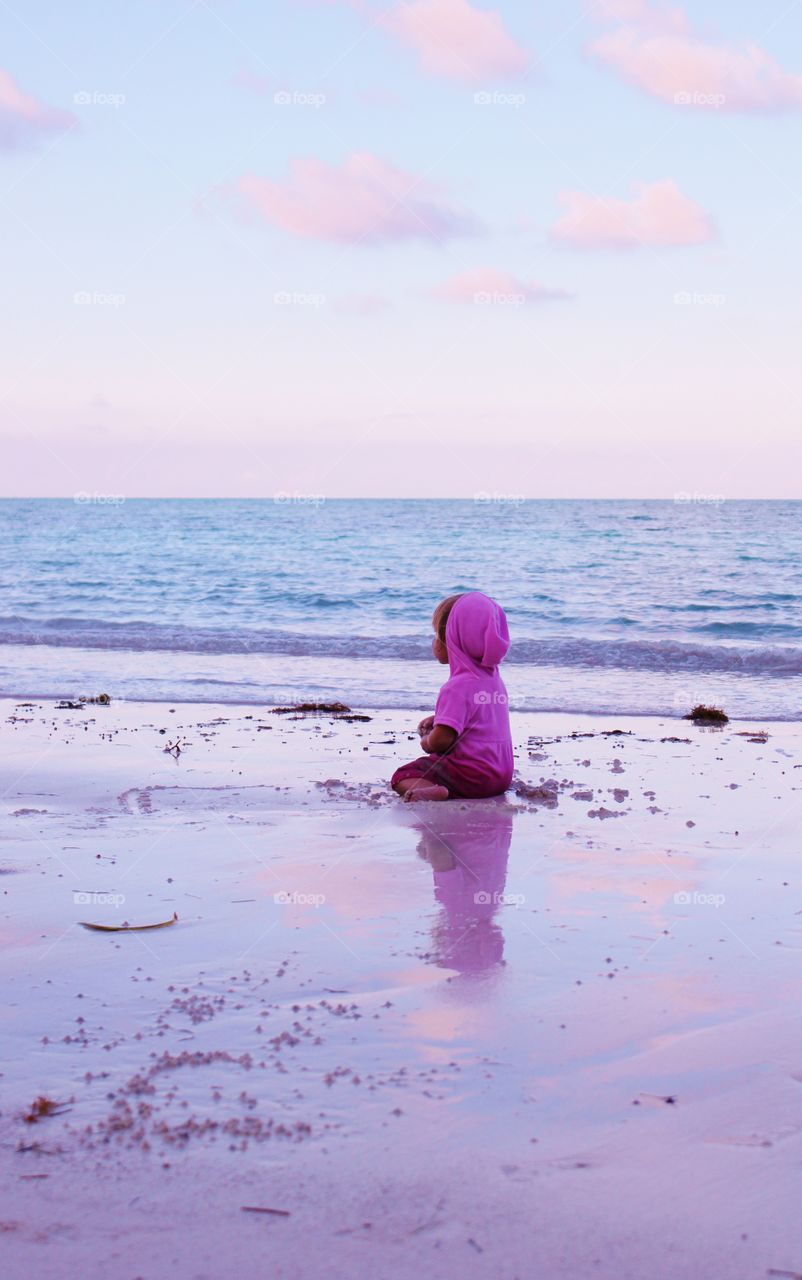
<point>128,928</point>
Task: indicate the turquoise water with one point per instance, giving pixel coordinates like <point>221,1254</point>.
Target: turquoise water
<point>633,606</point>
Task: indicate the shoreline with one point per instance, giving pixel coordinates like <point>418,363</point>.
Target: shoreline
<point>188,706</point>
<point>584,989</point>
<point>261,682</point>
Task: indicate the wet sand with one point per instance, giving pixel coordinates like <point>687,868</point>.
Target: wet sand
<point>555,1034</point>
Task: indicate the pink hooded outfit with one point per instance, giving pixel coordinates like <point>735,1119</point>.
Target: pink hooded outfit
<point>473,702</point>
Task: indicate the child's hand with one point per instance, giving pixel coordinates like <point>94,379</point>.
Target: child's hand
<point>439,740</point>
<point>426,725</point>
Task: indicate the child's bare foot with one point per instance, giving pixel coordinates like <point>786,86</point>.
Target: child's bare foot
<point>426,791</point>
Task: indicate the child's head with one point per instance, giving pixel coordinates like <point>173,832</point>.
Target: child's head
<point>439,623</point>
<point>477,632</point>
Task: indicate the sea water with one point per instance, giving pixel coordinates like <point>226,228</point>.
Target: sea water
<point>614,606</point>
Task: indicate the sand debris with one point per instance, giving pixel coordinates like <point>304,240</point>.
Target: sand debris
<point>547,793</point>
<point>42,1107</point>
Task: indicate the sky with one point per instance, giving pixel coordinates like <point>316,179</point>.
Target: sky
<point>440,248</point>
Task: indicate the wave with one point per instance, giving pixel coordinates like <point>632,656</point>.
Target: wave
<point>561,651</point>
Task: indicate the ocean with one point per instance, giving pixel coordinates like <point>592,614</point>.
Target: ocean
<point>629,607</point>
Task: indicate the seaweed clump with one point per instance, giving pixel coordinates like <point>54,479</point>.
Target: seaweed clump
<point>41,1107</point>
<point>68,704</point>
<point>702,714</point>
<point>338,710</point>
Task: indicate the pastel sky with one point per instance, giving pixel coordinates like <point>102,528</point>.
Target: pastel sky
<point>433,248</point>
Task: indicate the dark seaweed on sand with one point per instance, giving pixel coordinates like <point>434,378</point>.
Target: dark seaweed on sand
<point>42,1107</point>
<point>337,709</point>
<point>702,714</point>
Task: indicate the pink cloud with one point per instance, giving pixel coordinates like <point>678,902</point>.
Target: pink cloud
<point>658,52</point>
<point>487,284</point>
<point>455,39</point>
<point>365,200</point>
<point>23,118</point>
<point>658,215</point>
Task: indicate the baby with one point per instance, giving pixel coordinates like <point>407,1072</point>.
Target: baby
<point>467,740</point>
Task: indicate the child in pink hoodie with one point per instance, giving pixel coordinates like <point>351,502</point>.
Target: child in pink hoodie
<point>467,740</point>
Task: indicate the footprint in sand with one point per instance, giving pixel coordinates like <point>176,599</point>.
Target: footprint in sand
<point>141,797</point>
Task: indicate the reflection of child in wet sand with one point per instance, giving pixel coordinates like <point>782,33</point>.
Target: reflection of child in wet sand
<point>468,851</point>
<point>467,740</point>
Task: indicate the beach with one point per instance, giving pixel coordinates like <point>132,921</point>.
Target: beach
<point>374,366</point>
<point>555,1033</point>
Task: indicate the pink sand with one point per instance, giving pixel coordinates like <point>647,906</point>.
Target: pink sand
<point>499,1038</point>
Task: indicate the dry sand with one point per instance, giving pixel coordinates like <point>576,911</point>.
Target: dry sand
<point>552,1035</point>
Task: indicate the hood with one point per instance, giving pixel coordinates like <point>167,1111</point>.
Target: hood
<point>476,634</point>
